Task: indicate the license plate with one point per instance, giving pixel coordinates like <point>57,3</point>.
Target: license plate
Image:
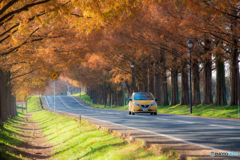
<point>145,109</point>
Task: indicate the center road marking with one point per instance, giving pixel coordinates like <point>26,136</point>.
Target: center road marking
<point>180,121</point>
<point>215,125</point>
<point>79,102</point>
<point>163,119</point>
<point>65,104</point>
<point>186,122</point>
<point>163,135</point>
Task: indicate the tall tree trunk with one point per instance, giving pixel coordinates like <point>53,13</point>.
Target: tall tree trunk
<point>195,80</point>
<point>174,84</point>
<point>164,93</point>
<point>104,92</point>
<point>163,82</point>
<point>128,87</point>
<point>99,95</point>
<point>14,102</point>
<point>207,75</point>
<point>234,70</point>
<point>12,105</point>
<point>207,82</point>
<point>234,77</point>
<point>156,87</point>
<point>145,80</point>
<point>102,95</point>
<point>3,114</point>
<point>184,84</point>
<point>8,94</point>
<point>26,99</point>
<point>148,81</point>
<point>113,97</point>
<point>110,95</point>
<point>220,95</point>
<point>151,85</point>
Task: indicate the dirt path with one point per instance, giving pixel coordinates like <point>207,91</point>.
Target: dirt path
<point>36,146</point>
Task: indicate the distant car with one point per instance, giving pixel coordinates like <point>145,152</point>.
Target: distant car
<point>142,102</point>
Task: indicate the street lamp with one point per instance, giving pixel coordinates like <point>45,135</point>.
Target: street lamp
<point>190,45</point>
<point>132,66</point>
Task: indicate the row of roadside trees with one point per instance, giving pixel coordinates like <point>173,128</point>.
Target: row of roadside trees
<point>101,38</point>
<point>156,41</point>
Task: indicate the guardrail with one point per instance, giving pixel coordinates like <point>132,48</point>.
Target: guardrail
<point>20,108</point>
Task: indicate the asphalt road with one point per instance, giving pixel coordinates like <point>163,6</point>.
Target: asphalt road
<point>222,134</point>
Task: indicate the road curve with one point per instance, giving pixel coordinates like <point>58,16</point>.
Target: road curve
<point>220,134</point>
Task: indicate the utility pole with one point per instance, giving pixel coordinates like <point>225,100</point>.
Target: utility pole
<point>105,92</point>
<point>68,91</point>
<point>132,66</point>
<point>54,96</point>
<point>54,77</point>
<point>80,91</point>
<point>190,45</point>
<point>123,85</point>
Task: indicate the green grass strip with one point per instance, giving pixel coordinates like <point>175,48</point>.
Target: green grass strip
<point>72,141</point>
<point>9,141</point>
<point>33,104</point>
<point>86,98</point>
<point>199,110</point>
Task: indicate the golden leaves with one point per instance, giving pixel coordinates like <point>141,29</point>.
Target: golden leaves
<point>38,20</point>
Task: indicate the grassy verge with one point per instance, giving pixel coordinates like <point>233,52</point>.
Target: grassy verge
<point>9,135</point>
<point>202,110</point>
<point>88,100</point>
<point>72,141</point>
<point>69,140</point>
<point>199,110</point>
<point>34,104</point>
<point>9,141</point>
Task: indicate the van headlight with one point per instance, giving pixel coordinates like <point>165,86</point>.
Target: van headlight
<point>152,104</point>
<point>135,103</point>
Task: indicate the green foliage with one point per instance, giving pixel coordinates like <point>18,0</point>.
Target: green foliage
<point>86,98</point>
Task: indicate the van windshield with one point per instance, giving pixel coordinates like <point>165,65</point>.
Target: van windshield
<point>143,96</point>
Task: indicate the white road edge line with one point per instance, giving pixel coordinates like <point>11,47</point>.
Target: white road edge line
<point>148,117</point>
<point>78,102</point>
<point>67,105</point>
<point>164,135</point>
<point>90,108</point>
<point>47,103</point>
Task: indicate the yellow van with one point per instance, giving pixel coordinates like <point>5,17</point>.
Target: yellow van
<point>142,102</point>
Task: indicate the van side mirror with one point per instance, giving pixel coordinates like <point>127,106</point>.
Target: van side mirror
<point>156,99</point>
<point>130,99</point>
